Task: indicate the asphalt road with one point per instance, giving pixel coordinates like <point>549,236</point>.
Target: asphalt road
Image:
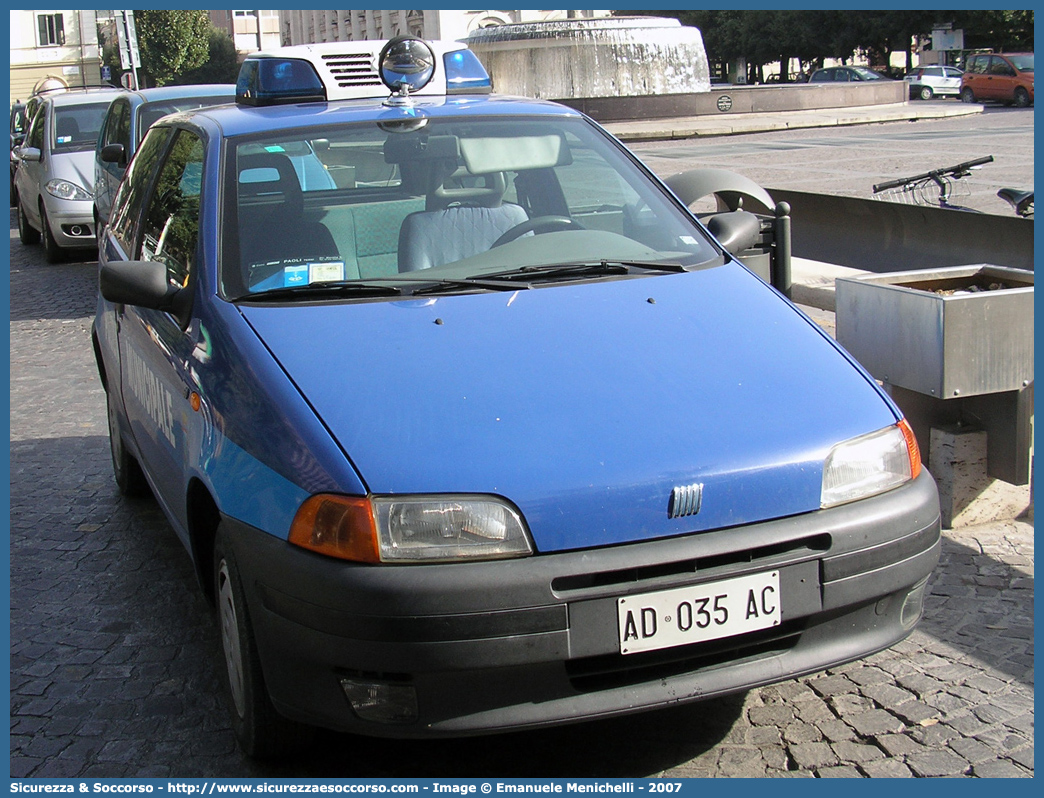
<point>849,161</point>
<point>115,663</point>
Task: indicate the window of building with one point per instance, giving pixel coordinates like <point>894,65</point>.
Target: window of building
<point>52,30</point>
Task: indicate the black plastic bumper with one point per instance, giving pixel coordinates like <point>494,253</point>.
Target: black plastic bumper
<point>521,643</point>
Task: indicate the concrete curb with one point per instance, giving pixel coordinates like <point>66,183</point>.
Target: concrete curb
<point>732,124</point>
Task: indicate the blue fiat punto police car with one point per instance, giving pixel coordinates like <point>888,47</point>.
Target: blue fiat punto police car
<point>469,425</point>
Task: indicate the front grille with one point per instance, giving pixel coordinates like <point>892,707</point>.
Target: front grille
<point>769,556</point>
<point>352,69</point>
<point>608,671</point>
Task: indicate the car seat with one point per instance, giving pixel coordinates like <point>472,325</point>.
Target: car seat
<point>459,221</point>
<point>273,228</point>
<point>67,128</point>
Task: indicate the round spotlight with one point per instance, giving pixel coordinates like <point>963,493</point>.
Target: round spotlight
<point>406,64</point>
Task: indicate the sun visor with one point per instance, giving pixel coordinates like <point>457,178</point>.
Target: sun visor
<point>514,153</point>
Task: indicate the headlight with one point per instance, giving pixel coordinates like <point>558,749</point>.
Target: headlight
<point>870,464</point>
<point>411,528</point>
<point>63,189</point>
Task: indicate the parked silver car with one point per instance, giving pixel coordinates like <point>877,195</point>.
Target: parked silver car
<point>55,175</point>
<point>930,81</point>
<point>126,122</point>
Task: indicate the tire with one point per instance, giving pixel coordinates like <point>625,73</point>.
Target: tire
<point>967,95</point>
<point>1022,99</point>
<point>52,251</point>
<point>27,234</point>
<point>926,93</point>
<point>260,730</point>
<point>130,479</point>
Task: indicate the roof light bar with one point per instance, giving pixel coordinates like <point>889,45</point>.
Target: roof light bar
<point>358,70</point>
<point>278,81</point>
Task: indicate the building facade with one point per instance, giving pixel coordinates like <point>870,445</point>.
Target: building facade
<point>53,44</point>
<point>251,30</point>
<point>308,27</point>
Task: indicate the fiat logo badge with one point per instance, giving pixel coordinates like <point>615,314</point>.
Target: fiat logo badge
<point>685,500</point>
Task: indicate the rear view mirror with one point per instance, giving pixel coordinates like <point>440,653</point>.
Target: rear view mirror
<point>735,231</point>
<point>144,284</point>
<point>114,153</point>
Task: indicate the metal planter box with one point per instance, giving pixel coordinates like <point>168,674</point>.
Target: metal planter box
<point>941,332</point>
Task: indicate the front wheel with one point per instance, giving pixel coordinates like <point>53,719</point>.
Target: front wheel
<point>260,730</point>
<point>1022,98</point>
<point>967,95</point>
<point>52,251</point>
<point>926,93</point>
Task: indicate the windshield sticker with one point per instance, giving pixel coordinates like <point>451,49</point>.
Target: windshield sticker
<point>305,273</point>
<point>325,272</point>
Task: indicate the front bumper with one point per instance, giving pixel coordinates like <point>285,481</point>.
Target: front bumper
<point>531,642</point>
<point>71,221</point>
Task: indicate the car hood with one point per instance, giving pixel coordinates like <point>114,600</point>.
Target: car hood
<point>76,167</point>
<point>584,404</point>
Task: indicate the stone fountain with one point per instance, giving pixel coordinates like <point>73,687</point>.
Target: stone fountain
<point>612,57</point>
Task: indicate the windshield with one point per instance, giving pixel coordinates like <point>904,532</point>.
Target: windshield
<point>455,200</point>
<point>76,126</point>
<point>1023,63</point>
<point>150,113</point>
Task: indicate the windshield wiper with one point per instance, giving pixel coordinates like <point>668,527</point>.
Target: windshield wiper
<point>601,268</point>
<point>445,285</point>
<point>324,290</point>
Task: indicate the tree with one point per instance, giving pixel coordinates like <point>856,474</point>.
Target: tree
<point>1010,31</point>
<point>222,65</point>
<point>172,42</point>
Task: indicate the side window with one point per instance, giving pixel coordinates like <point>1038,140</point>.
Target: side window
<point>171,226</point>
<point>112,123</point>
<point>977,65</point>
<point>123,127</point>
<point>36,131</point>
<point>126,207</point>
<point>1002,68</point>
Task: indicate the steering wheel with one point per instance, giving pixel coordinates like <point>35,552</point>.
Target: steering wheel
<point>538,224</point>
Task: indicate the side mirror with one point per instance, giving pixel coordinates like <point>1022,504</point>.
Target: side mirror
<point>29,153</point>
<point>143,283</point>
<point>114,153</point>
<point>735,231</point>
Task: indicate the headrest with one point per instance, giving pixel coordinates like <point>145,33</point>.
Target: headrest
<point>270,176</point>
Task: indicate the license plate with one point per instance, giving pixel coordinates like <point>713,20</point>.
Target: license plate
<point>701,612</point>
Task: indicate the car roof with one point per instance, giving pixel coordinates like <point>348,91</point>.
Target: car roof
<point>238,120</point>
<point>164,93</point>
<point>83,96</point>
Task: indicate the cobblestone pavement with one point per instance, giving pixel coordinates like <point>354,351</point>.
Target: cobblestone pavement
<point>115,656</point>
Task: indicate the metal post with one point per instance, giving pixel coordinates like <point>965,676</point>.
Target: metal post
<point>781,273</point>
